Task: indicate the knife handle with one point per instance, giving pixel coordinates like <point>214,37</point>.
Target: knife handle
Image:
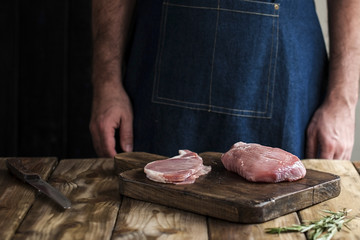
<point>17,168</point>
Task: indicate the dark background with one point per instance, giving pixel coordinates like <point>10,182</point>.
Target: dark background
<point>45,87</point>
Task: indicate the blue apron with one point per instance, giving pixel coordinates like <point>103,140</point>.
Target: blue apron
<point>204,74</point>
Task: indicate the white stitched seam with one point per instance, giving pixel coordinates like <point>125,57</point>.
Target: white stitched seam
<point>206,106</point>
<point>260,2</point>
<point>159,56</point>
<point>158,64</point>
<point>213,56</point>
<point>214,110</point>
<point>275,60</point>
<point>220,9</point>
<point>270,67</point>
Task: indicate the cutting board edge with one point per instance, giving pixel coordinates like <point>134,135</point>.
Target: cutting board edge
<point>131,162</point>
<point>228,210</point>
<point>322,194</point>
<point>127,185</point>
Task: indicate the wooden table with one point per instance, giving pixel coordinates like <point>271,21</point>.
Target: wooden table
<point>99,212</point>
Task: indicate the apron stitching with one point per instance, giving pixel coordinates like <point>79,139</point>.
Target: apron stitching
<point>213,56</point>
<point>275,61</point>
<point>208,107</point>
<point>215,111</point>
<point>252,1</point>
<point>205,106</point>
<point>270,65</point>
<point>158,58</point>
<point>220,9</point>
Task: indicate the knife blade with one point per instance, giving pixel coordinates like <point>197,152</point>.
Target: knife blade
<point>17,168</point>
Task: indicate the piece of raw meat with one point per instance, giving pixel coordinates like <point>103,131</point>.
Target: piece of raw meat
<point>258,163</point>
<point>182,169</point>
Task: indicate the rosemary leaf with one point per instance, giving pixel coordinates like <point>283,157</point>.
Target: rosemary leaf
<point>323,229</point>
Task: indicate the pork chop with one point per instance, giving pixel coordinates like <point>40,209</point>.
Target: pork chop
<point>184,168</point>
<point>258,163</point>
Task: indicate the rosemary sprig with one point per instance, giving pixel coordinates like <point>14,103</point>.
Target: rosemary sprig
<point>323,229</point>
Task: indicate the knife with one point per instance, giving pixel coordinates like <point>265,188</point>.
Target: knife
<point>17,168</point>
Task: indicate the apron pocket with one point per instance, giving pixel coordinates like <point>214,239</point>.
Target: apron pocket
<point>218,56</point>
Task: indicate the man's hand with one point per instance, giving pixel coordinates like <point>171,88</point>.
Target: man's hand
<point>111,109</point>
<point>330,134</point>
<point>110,112</point>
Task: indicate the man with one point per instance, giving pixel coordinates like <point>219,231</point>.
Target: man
<point>175,74</point>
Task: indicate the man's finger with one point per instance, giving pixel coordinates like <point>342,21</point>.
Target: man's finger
<point>126,134</point>
<point>311,145</point>
<point>327,150</point>
<point>108,142</point>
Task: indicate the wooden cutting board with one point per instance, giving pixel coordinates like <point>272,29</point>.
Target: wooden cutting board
<point>223,194</point>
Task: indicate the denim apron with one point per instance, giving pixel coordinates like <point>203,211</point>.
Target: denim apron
<point>204,74</point>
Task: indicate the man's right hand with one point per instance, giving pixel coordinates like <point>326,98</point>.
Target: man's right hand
<point>111,111</point>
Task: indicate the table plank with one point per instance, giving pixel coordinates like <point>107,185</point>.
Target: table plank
<point>132,160</point>
<point>17,197</point>
<point>92,187</point>
<point>143,220</point>
<point>348,198</point>
<point>219,229</point>
<point>357,166</point>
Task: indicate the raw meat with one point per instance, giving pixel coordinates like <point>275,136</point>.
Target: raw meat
<point>182,169</point>
<point>259,163</point>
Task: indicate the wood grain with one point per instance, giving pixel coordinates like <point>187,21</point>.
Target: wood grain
<point>133,160</point>
<point>219,229</point>
<point>348,198</point>
<point>357,166</point>
<point>228,196</point>
<point>92,187</point>
<point>143,220</point>
<point>16,197</point>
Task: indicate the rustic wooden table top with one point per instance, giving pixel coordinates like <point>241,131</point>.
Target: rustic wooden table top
<point>99,212</point>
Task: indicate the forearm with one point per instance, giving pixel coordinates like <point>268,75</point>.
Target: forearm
<point>344,69</point>
<point>330,134</point>
<point>110,26</point>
